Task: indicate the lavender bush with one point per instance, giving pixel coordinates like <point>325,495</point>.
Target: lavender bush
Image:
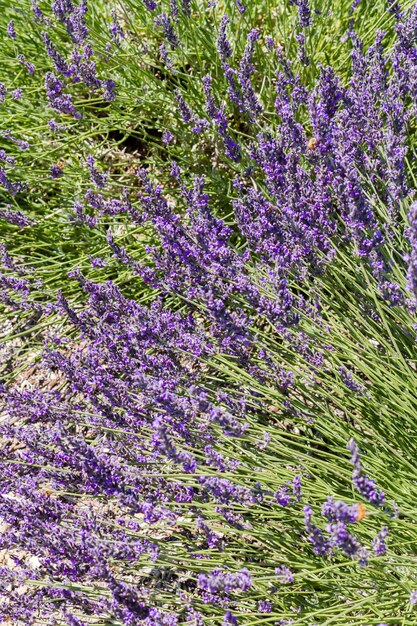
<point>208,219</point>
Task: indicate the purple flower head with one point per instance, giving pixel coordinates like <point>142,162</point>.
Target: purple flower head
<point>339,511</point>
<point>221,581</point>
<point>57,99</point>
<point>174,10</point>
<point>109,93</point>
<point>56,171</point>
<point>186,7</point>
<point>282,496</point>
<point>61,65</point>
<point>341,538</point>
<point>304,12</point>
<point>240,89</point>
<point>296,488</point>
<point>301,48</point>
<point>29,66</point>
<point>183,107</point>
<point>264,606</point>
<point>413,597</point>
<point>98,179</point>
<point>53,126</point>
<point>223,45</point>
<point>17,93</point>
<point>116,30</point>
<point>167,137</point>
<point>412,257</point>
<point>378,544</point>
<point>165,23</point>
<point>15,217</point>
<point>2,93</point>
<point>284,574</point>
<point>176,171</point>
<point>218,116</point>
<point>320,543</point>
<point>10,30</point>
<point>358,388</point>
<point>165,57</point>
<point>365,485</point>
<point>263,443</point>
<point>39,16</point>
<point>240,6</point>
<point>230,619</point>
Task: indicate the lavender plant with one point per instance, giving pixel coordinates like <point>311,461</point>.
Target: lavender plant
<point>232,437</point>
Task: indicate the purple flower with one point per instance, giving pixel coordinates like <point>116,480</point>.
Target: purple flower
<point>15,217</point>
<point>284,573</point>
<point>29,66</point>
<point>98,179</point>
<point>116,30</point>
<point>221,581</point>
<point>304,12</point>
<point>165,57</point>
<point>217,114</point>
<point>351,383</point>
<point>165,23</point>
<point>223,45</point>
<point>412,257</point>
<point>320,543</point>
<point>296,488</point>
<point>264,606</point>
<point>61,65</point>
<point>167,137</point>
<point>186,7</point>
<point>240,88</point>
<point>109,93</point>
<point>10,30</point>
<point>230,619</point>
<point>183,107</point>
<point>56,171</point>
<point>365,485</point>
<point>57,99</point>
<point>17,93</point>
<point>2,93</point>
<point>341,538</point>
<point>339,511</point>
<point>413,597</point>
<point>378,544</point>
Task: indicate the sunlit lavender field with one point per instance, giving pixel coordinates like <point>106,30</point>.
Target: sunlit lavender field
<point>208,297</point>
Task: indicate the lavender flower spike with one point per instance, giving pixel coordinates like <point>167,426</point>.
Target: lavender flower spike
<point>223,45</point>
<point>365,485</point>
<point>10,29</point>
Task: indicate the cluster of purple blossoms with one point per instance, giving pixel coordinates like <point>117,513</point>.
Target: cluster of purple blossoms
<point>116,29</point>
<point>29,66</point>
<point>80,67</point>
<point>284,574</point>
<point>98,179</point>
<point>223,45</point>
<point>10,30</point>
<point>136,412</point>
<point>240,89</point>
<point>412,257</point>
<point>220,581</point>
<point>365,485</point>
<point>15,217</point>
<point>57,99</point>
<point>338,537</point>
<point>163,20</point>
